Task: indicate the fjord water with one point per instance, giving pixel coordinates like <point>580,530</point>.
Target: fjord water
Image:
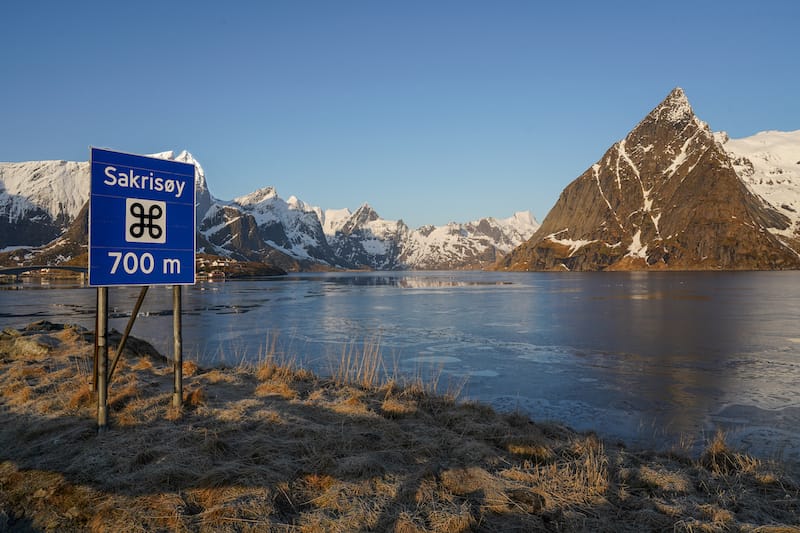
<point>651,359</point>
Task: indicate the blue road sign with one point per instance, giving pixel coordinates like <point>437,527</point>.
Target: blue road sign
<point>141,221</point>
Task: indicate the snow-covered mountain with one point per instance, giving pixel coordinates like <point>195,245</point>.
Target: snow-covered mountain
<point>39,200</point>
<point>482,241</point>
<point>341,238</point>
<point>671,195</point>
<point>364,239</point>
<point>42,201</point>
<point>290,225</point>
<point>769,164</point>
<point>58,188</point>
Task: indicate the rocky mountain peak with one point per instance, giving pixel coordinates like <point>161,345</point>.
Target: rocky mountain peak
<point>258,196</point>
<point>362,216</point>
<point>666,196</point>
<point>203,199</point>
<point>674,108</point>
<point>668,128</point>
<point>366,213</point>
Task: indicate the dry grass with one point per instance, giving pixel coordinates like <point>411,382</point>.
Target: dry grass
<point>271,447</point>
<point>361,365</point>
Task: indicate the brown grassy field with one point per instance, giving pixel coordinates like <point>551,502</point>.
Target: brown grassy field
<point>271,447</point>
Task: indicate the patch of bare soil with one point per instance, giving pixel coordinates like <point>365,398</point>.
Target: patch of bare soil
<point>272,447</point>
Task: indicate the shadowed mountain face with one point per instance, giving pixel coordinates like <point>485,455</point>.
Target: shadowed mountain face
<point>664,197</point>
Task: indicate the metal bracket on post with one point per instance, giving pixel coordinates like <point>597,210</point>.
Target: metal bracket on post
<point>177,355</point>
<point>128,329</point>
<point>101,337</point>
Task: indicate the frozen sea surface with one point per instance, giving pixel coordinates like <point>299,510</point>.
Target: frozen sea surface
<point>651,359</point>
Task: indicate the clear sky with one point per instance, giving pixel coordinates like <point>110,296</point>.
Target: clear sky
<point>431,111</point>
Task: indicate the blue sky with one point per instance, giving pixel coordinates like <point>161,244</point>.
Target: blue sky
<point>430,111</point>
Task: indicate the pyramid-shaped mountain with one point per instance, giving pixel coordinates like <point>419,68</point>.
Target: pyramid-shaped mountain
<point>665,197</point>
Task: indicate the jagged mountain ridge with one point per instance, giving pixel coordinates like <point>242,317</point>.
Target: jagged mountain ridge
<point>364,237</point>
<point>634,181</point>
<point>667,196</point>
<point>340,238</point>
<point>486,240</point>
<point>363,234</point>
<point>260,226</point>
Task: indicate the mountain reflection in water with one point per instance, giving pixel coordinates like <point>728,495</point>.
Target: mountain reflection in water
<point>648,358</point>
